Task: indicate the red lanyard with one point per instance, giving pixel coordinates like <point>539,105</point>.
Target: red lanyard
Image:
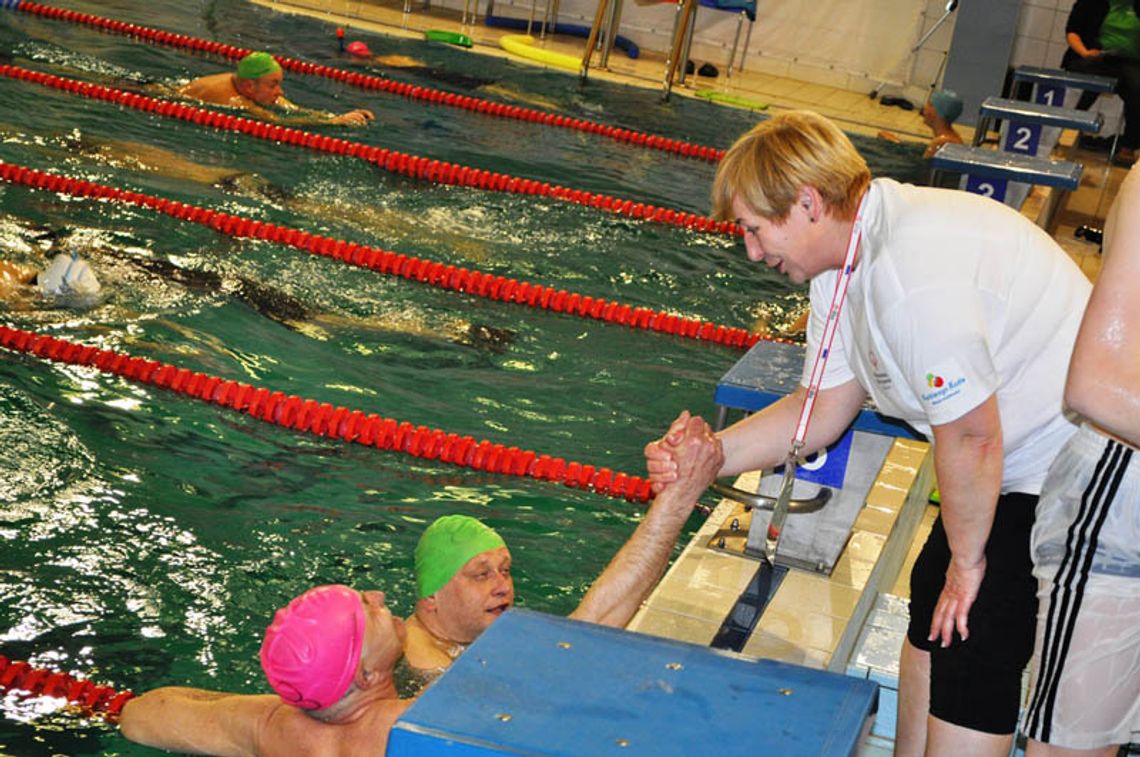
<point>829,328</point>
<point>780,509</point>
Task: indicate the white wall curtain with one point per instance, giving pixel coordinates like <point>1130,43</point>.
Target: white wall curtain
<point>869,38</point>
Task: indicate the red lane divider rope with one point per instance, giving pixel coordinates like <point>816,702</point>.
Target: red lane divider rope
<point>42,682</point>
<point>432,273</point>
<point>322,419</point>
<point>429,169</point>
<point>366,81</point>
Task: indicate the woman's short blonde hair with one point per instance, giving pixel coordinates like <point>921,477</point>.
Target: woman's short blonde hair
<point>768,166</point>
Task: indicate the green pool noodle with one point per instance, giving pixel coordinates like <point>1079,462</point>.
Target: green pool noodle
<point>451,38</point>
<point>727,99</point>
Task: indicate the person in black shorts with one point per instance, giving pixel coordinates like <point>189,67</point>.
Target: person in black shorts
<point>978,684</point>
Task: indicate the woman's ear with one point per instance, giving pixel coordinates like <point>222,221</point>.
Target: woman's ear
<point>811,202</point>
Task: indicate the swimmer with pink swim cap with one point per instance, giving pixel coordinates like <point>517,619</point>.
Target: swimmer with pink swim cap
<point>312,649</point>
<point>359,49</point>
<point>329,655</point>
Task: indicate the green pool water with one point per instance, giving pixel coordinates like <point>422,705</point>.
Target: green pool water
<point>146,538</point>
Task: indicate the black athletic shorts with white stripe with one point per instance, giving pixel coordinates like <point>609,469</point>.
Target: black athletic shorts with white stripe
<point>1085,689</point>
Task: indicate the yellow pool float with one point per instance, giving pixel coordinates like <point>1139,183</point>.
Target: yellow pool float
<point>522,45</point>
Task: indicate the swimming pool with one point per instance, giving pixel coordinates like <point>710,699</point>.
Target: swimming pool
<point>148,537</point>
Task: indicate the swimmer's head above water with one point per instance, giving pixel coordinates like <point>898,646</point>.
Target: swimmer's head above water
<point>358,49</point>
<point>328,645</point>
<point>312,648</point>
<point>259,78</point>
<point>446,545</point>
<point>463,578</point>
<point>945,104</point>
<point>68,280</point>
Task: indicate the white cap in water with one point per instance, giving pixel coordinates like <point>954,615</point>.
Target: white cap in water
<point>68,275</point>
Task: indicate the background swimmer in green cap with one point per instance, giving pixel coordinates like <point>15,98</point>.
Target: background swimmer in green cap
<point>256,87</point>
<point>463,568</point>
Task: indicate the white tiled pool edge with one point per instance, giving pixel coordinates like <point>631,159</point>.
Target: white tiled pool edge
<point>847,622</point>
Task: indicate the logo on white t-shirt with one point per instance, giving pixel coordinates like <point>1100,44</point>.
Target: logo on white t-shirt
<point>881,377</point>
<point>941,388</point>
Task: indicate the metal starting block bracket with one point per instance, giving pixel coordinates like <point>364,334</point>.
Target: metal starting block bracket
<point>812,540</point>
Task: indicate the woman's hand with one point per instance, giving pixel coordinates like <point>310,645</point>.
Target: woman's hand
<point>958,594</point>
<point>659,458</point>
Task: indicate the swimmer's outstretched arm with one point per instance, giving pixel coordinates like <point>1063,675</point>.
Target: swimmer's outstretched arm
<point>14,273</point>
<point>357,117</point>
<point>196,721</point>
<point>625,583</point>
<point>15,283</point>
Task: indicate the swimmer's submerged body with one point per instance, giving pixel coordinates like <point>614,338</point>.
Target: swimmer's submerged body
<point>289,311</point>
<point>360,54</point>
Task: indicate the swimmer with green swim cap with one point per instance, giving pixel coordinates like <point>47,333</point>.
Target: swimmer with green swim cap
<point>256,88</point>
<point>257,65</point>
<point>463,583</point>
<point>446,546</point>
<point>463,567</point>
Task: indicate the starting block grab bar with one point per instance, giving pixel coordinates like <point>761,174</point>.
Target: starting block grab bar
<point>1057,77</point>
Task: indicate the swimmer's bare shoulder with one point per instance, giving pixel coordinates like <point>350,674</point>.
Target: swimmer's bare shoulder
<point>938,141</point>
<point>216,88</point>
<point>288,730</point>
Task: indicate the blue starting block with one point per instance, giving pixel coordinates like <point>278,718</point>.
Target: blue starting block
<point>1050,84</point>
<point>988,172</point>
<point>771,370</point>
<point>1026,120</point>
<point>536,684</point>
<point>1030,129</point>
<point>1020,111</point>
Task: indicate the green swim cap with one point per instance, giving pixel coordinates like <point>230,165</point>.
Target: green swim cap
<point>446,546</point>
<point>257,65</point>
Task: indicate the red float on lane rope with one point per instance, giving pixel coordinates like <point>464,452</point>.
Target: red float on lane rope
<point>100,700</point>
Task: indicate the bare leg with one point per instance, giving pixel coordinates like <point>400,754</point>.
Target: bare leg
<point>918,732</point>
<point>1037,749</point>
<point>953,740</point>
<point>914,701</point>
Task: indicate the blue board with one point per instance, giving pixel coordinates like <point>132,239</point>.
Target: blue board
<point>538,684</point>
<point>771,370</point>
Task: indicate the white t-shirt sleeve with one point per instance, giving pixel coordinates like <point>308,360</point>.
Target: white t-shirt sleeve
<point>838,371</point>
<point>940,342</point>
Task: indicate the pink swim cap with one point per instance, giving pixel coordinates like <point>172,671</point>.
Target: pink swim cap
<point>312,648</point>
<point>359,49</point>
